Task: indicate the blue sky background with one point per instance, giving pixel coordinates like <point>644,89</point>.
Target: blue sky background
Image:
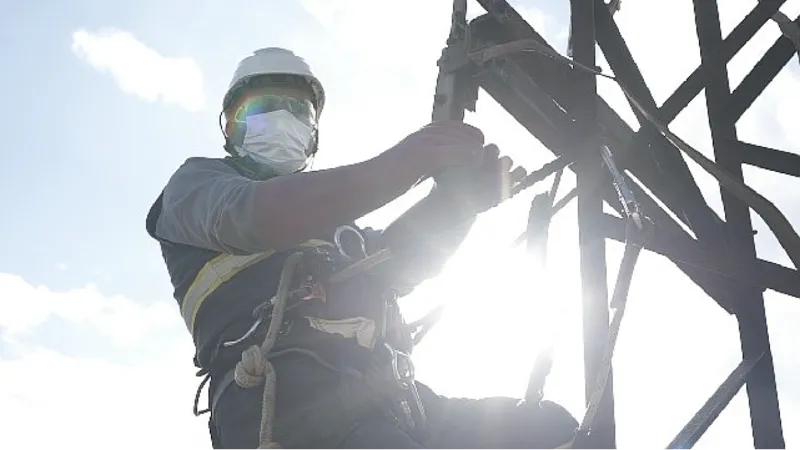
<point>98,115</point>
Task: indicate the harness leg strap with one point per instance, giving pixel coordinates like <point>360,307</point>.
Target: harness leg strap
<point>220,388</point>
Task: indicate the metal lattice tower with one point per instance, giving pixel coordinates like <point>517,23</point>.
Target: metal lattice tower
<point>502,54</point>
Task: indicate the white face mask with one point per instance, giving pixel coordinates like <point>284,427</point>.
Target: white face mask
<point>277,140</point>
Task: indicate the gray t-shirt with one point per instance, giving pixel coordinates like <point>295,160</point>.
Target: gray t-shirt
<point>208,204</point>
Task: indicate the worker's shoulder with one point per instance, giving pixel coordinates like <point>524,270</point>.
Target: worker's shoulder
<point>197,171</point>
<point>199,168</point>
<point>205,164</point>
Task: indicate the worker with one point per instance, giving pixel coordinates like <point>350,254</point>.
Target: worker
<point>226,226</point>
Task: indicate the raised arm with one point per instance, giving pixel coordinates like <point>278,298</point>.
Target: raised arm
<point>211,206</point>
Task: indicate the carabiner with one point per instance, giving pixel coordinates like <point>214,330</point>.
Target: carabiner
<point>337,239</point>
<point>260,313</point>
<point>403,374</point>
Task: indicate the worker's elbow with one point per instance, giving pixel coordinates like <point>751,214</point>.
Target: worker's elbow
<point>276,233</point>
<point>281,239</point>
<point>251,222</point>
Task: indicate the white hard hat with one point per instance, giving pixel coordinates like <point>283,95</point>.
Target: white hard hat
<point>274,61</point>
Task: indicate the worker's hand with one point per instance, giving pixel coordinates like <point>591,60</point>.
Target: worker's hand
<point>479,189</point>
<point>440,145</point>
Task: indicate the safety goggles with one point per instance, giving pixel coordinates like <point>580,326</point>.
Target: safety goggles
<point>303,110</point>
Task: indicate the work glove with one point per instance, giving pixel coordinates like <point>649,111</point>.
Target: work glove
<point>475,189</point>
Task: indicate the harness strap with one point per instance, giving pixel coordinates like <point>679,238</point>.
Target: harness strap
<point>219,270</point>
<point>220,388</point>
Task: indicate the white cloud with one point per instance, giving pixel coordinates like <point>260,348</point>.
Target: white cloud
<point>125,322</point>
<point>52,400</point>
<point>141,70</point>
<point>111,397</point>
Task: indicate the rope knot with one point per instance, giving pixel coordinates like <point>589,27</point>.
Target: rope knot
<point>251,370</point>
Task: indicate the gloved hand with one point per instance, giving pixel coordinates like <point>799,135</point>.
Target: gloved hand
<point>477,189</point>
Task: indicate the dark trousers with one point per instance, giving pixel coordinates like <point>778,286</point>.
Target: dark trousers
<point>312,411</point>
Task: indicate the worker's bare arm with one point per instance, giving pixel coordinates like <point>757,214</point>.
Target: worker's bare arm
<point>208,204</point>
<point>301,206</point>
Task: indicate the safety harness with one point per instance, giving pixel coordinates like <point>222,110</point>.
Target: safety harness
<point>305,277</point>
<point>219,270</point>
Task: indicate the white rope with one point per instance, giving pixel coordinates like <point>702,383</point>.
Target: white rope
<point>254,368</point>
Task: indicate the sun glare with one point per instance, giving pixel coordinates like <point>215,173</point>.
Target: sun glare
<point>497,317</point>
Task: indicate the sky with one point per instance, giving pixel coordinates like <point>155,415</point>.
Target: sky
<point>104,100</point>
